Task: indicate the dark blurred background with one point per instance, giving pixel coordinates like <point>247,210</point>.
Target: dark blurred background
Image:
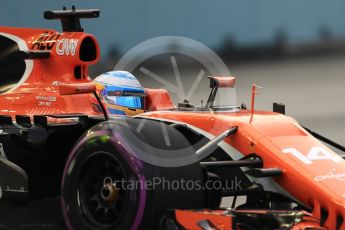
<point>294,49</point>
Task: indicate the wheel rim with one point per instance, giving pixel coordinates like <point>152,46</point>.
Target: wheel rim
<point>100,199</point>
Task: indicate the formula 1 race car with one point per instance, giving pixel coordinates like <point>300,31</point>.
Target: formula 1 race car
<point>64,163</point>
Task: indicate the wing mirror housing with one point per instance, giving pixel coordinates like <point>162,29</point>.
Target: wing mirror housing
<point>220,81</point>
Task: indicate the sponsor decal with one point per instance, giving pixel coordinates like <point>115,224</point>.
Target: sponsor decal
<point>332,175</point>
<point>44,103</point>
<point>55,83</point>
<point>83,87</point>
<point>315,153</point>
<point>45,98</point>
<point>66,46</point>
<point>8,189</point>
<point>45,41</point>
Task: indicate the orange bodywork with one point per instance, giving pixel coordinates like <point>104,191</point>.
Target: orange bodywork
<point>226,220</point>
<point>276,138</point>
<point>158,99</point>
<point>37,92</point>
<point>312,173</point>
<point>190,219</point>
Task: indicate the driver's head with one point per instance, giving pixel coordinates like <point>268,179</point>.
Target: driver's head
<point>121,93</point>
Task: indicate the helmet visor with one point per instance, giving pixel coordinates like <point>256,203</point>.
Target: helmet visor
<point>133,102</point>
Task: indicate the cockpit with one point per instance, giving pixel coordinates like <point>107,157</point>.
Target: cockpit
<point>222,97</point>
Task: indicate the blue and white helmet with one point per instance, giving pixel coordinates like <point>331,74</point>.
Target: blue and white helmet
<point>121,92</point>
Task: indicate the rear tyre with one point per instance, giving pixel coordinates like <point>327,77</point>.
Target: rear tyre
<point>106,186</point>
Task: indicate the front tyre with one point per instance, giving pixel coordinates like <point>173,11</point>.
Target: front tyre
<point>105,185</point>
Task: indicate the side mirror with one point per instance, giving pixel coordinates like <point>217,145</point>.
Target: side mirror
<point>220,82</point>
<point>79,88</point>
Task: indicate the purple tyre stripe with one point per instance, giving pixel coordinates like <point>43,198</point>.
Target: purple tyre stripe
<point>134,163</point>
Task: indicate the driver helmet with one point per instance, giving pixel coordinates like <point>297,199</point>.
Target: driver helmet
<point>120,92</point>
